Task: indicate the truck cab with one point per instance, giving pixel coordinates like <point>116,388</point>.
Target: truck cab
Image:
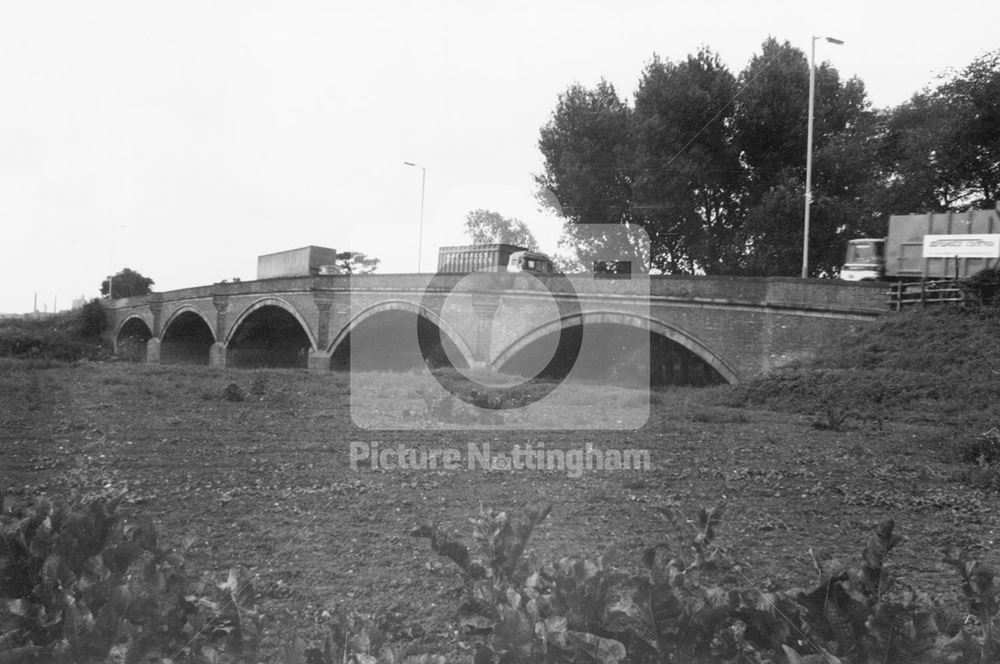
<point>865,260</point>
<point>529,261</point>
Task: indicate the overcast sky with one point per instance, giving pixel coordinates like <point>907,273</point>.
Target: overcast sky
<point>183,139</point>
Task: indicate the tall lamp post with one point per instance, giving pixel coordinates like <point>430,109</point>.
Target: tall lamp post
<point>111,275</point>
<point>420,237</point>
<point>809,150</point>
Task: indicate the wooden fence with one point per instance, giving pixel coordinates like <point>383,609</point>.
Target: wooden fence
<point>926,292</point>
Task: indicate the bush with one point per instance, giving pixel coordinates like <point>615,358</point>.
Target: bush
<point>692,604</point>
<point>233,392</point>
<point>983,450</point>
<point>985,285</point>
<point>93,319</point>
<point>66,337</point>
<point>76,583</point>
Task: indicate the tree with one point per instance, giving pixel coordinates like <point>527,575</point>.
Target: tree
<point>688,182</point>
<point>769,128</point>
<point>588,156</point>
<point>356,262</point>
<point>923,151</point>
<point>976,89</point>
<point>943,146</point>
<point>712,165</point>
<point>127,283</point>
<point>488,227</point>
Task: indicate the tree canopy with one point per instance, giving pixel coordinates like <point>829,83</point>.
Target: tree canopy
<point>127,283</point>
<point>488,227</point>
<point>711,163</point>
<point>356,262</point>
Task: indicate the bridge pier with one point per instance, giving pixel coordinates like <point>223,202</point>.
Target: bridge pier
<point>319,361</point>
<point>217,355</point>
<point>152,351</point>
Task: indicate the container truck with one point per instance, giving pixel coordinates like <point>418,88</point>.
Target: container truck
<point>941,245</point>
<point>301,262</point>
<point>499,257</point>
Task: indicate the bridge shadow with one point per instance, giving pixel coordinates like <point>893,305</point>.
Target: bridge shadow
<point>614,354</point>
<point>130,342</point>
<point>391,340</point>
<point>269,337</point>
<point>187,339</point>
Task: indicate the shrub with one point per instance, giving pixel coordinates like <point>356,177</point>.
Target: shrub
<point>693,605</point>
<point>93,319</point>
<point>58,337</point>
<point>985,285</point>
<point>983,449</point>
<point>77,583</point>
<point>233,392</point>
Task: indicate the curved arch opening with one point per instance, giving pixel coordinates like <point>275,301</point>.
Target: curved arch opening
<point>271,337</point>
<point>187,339</point>
<point>616,352</point>
<point>388,340</point>
<point>130,342</point>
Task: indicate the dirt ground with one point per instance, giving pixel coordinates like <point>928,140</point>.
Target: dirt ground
<point>266,483</point>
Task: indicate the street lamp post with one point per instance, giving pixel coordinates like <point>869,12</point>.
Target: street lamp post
<point>111,275</point>
<point>809,150</point>
<point>420,237</point>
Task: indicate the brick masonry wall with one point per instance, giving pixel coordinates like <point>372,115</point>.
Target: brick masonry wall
<point>749,325</point>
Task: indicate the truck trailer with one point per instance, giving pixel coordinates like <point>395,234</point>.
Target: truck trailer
<point>301,262</point>
<point>937,245</point>
<point>462,259</point>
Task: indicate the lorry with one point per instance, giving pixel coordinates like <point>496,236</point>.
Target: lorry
<point>301,262</point>
<point>936,245</point>
<point>499,257</point>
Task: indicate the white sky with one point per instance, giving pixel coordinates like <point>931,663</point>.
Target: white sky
<point>183,139</point>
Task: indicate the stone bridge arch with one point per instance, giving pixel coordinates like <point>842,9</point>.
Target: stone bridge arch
<point>186,336</point>
<point>258,338</point>
<point>270,302</point>
<point>408,307</point>
<point>187,308</point>
<point>131,336</point>
<point>126,321</point>
<point>670,332</point>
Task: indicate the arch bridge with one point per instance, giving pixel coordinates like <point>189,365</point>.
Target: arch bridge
<point>701,329</point>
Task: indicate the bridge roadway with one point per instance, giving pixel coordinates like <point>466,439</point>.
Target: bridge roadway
<point>738,326</point>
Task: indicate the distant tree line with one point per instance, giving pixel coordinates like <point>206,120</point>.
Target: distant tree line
<point>711,163</point>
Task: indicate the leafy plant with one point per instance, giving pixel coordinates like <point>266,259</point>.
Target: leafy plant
<point>233,392</point>
<point>984,285</point>
<point>863,614</point>
<point>692,604</point>
<point>78,583</point>
<point>983,449</point>
<point>506,605</point>
<point>977,585</point>
<point>685,608</point>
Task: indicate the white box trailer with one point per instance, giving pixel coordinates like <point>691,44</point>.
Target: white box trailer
<point>301,262</point>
